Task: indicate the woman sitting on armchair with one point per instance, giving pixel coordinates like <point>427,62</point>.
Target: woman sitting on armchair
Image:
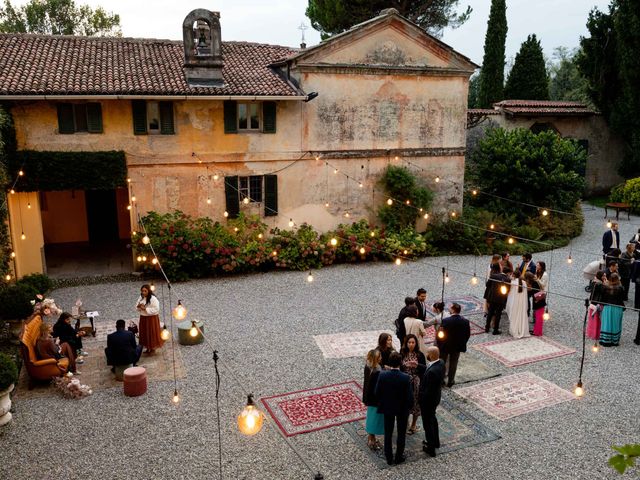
<point>67,334</point>
<point>46,347</point>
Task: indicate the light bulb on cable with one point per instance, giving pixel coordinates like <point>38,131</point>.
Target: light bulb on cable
<point>144,258</point>
<point>154,260</point>
<point>362,250</point>
<point>503,290</point>
<point>426,216</point>
<point>389,202</point>
<point>609,224</point>
<point>310,277</point>
<point>326,204</point>
<point>372,234</point>
<point>12,191</point>
<point>440,334</point>
<point>250,419</point>
<point>179,313</point>
<point>335,170</point>
<point>474,192</point>
<point>437,179</point>
<point>569,260</point>
<point>208,201</point>
<point>545,212</point>
<point>20,173</point>
<point>128,180</point>
<point>146,240</point>
<point>176,398</point>
<point>152,287</point>
<point>260,235</point>
<point>193,331</point>
<point>165,334</point>
<point>23,236</point>
<point>216,177</point>
<point>246,200</point>
<point>235,229</point>
<point>360,185</point>
<point>453,214</point>
<point>347,214</point>
<point>139,258</point>
<point>595,348</point>
<point>510,241</point>
<point>546,316</point>
<point>133,198</point>
<point>333,242</point>
<point>408,202</point>
<point>13,254</point>
<point>29,205</point>
<point>474,279</point>
<point>225,214</point>
<point>446,278</point>
<point>291,222</point>
<point>274,253</point>
<point>579,390</point>
<point>405,252</point>
<point>128,207</point>
<point>8,277</point>
<point>398,261</point>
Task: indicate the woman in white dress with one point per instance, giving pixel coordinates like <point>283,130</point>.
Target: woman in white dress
<point>517,309</point>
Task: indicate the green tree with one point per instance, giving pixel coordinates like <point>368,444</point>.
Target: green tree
<point>491,84</point>
<point>610,60</point>
<point>528,79</point>
<point>539,169</point>
<point>472,97</point>
<point>401,186</point>
<point>330,17</point>
<point>58,17</point>
<point>566,81</point>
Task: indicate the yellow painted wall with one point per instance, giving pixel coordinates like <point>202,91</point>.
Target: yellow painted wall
<point>124,220</point>
<point>29,252</point>
<point>64,217</point>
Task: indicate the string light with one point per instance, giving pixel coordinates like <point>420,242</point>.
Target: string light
<point>579,390</point>
<point>13,254</point>
<point>440,334</point>
<point>139,258</point>
<point>176,398</point>
<point>274,253</point>
<point>128,180</point>
<point>12,191</point>
<point>20,173</point>
<point>395,158</point>
<point>23,236</point>
<point>226,214</point>
<point>545,212</point>
<point>216,177</point>
<point>310,277</point>
<point>372,234</point>
<point>335,171</point>
<point>398,261</point>
<point>446,278</point>
<point>179,313</point>
<point>609,224</point>
<point>193,331</point>
<point>362,250</point>
<point>235,229</point>
<point>510,241</point>
<point>569,260</point>
<point>360,184</point>
<point>8,277</point>
<point>347,215</point>
<point>29,205</point>
<point>326,204</point>
<point>492,226</point>
<point>426,216</point>
<point>133,198</point>
<point>408,202</point>
<point>154,260</point>
<point>405,252</point>
<point>146,240</point>
<point>291,222</point>
<point>128,207</point>
<point>503,289</point>
<point>165,334</point>
<point>134,233</point>
<point>595,348</point>
<point>474,279</point>
<point>260,235</point>
<point>152,287</point>
<point>437,179</point>
<point>546,315</point>
<point>334,242</point>
<point>474,192</point>
<point>246,200</point>
<point>208,201</point>
<point>389,202</point>
<point>144,258</point>
<point>250,418</point>
<point>453,214</point>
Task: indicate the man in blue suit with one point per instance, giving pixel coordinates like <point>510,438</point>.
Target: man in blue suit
<point>456,332</point>
<point>121,347</point>
<point>395,397</point>
<point>611,239</point>
<point>429,398</point>
<point>527,265</point>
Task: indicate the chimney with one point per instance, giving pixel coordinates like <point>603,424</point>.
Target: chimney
<point>202,48</point>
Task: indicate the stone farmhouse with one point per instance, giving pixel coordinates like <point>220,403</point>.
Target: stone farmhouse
<point>109,128</point>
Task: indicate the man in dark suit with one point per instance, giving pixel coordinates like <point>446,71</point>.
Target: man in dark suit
<point>395,397</point>
<point>611,239</point>
<point>527,265</point>
<point>429,399</point>
<point>401,331</point>
<point>421,303</point>
<point>456,330</point>
<point>121,347</point>
<point>497,291</point>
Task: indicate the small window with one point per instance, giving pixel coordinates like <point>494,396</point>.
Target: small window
<point>248,116</point>
<point>152,117</point>
<point>79,117</point>
<point>250,187</point>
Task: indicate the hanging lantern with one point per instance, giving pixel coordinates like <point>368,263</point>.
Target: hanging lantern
<point>250,419</point>
<point>446,278</point>
<point>546,316</point>
<point>569,260</point>
<point>165,334</point>
<point>179,313</point>
<point>579,390</point>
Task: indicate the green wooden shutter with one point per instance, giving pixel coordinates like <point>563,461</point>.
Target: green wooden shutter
<point>270,195</point>
<point>232,196</point>
<point>269,117</point>
<point>94,118</point>
<point>139,108</point>
<point>65,118</point>
<point>166,118</point>
<point>230,116</point>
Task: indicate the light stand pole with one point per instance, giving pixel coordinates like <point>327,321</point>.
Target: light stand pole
<point>579,391</point>
<point>215,366</point>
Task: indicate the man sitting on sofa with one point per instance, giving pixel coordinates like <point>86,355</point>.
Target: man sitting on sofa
<point>121,347</point>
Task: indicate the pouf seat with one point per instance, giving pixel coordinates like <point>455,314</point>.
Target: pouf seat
<point>135,381</point>
<point>185,338</point>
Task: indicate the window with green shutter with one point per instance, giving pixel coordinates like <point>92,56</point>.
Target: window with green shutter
<point>79,117</point>
<point>270,195</point>
<point>139,109</point>
<point>94,118</point>
<point>166,118</point>
<point>65,118</point>
<point>269,117</point>
<point>230,116</point>
<point>232,196</point>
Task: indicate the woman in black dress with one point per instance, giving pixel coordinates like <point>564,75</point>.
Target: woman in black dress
<point>68,334</point>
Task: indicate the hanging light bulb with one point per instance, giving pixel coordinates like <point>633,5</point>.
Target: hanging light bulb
<point>503,289</point>
<point>20,173</point>
<point>152,287</point>
<point>360,184</point>
<point>23,236</point>
<point>440,334</point>
<point>545,212</point>
<point>389,201</point>
<point>165,334</point>
<point>362,250</point>
<point>216,177</point>
<point>12,191</point>
<point>437,179</point>
<point>8,277</point>
<point>310,277</point>
<point>421,209</point>
<point>408,202</point>
<point>128,207</point>
<point>609,224</point>
<point>144,258</point>
<point>133,198</point>
<point>453,214</point>
<point>154,260</point>
<point>128,180</point>
<point>193,331</point>
<point>405,252</point>
<point>326,204</point>
<point>134,233</point>
<point>396,158</point>
<point>317,158</point>
<point>235,229</point>
<point>474,279</point>
<point>29,205</point>
<point>333,242</point>
<point>259,235</point>
<point>546,316</point>
<point>346,215</point>
<point>208,201</point>
<point>179,313</point>
<point>250,418</point>
<point>579,390</point>
<point>492,226</point>
<point>373,234</point>
<point>139,258</point>
<point>510,241</point>
<point>398,261</point>
<point>446,278</point>
<point>290,222</point>
<point>595,348</point>
<point>146,240</point>
<point>335,170</point>
<point>226,214</point>
<point>474,192</point>
<point>569,260</point>
<point>13,254</point>
<point>246,200</point>
<point>426,216</point>
<point>274,253</point>
<point>176,398</point>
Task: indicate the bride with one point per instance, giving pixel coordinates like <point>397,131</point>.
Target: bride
<point>517,309</point>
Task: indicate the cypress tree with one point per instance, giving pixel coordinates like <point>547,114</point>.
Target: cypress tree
<point>492,73</point>
<point>528,79</point>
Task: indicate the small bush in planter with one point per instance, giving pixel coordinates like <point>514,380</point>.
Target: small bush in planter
<point>8,371</point>
<point>39,282</point>
<point>15,301</point>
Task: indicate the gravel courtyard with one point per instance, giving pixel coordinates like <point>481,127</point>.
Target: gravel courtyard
<point>263,325</point>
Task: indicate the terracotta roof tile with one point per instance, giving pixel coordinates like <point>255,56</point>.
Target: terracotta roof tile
<point>543,107</point>
<point>68,65</point>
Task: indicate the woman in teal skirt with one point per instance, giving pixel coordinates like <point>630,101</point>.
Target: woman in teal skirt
<point>611,327</point>
<point>374,424</point>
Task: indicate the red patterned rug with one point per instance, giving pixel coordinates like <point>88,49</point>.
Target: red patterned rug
<point>520,351</point>
<point>514,395</point>
<point>316,409</point>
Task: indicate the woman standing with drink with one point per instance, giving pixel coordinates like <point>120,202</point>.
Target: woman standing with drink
<point>149,329</point>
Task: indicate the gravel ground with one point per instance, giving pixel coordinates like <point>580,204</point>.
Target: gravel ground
<point>262,326</point>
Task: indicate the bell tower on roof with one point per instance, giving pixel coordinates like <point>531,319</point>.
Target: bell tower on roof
<point>202,48</point>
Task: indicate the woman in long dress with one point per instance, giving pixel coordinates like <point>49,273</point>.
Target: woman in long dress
<point>374,424</point>
<point>411,358</point>
<point>538,300</point>
<point>415,326</point>
<point>595,308</point>
<point>149,329</point>
<point>517,302</point>
<point>611,327</point>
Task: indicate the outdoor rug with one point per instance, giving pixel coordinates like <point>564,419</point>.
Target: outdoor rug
<point>316,409</point>
<point>458,430</point>
<point>514,395</point>
<point>96,373</point>
<point>520,351</point>
<point>470,305</point>
<point>351,344</point>
<point>430,337</point>
<point>470,369</point>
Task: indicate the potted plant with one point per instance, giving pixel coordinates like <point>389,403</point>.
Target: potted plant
<point>8,376</point>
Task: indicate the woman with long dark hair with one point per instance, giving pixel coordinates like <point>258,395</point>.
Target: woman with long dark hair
<point>68,334</point>
<point>613,298</point>
<point>149,329</point>
<point>385,347</point>
<point>374,424</point>
<point>411,358</point>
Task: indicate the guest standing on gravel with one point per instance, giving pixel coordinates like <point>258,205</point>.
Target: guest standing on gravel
<point>611,239</point>
<point>415,326</point>
<point>625,264</point>
<point>457,331</point>
<point>613,298</point>
<point>412,358</point>
<point>385,347</point>
<point>496,299</point>
<point>400,330</point>
<point>430,394</point>
<point>149,329</point>
<point>421,303</point>
<point>374,424</point>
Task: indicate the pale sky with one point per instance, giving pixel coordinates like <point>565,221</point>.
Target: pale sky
<point>555,22</point>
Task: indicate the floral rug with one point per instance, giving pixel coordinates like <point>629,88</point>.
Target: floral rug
<point>520,351</point>
<point>458,430</point>
<point>469,304</point>
<point>514,395</point>
<point>316,409</point>
<point>351,344</point>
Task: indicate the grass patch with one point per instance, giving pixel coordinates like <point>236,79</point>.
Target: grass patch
<point>599,201</point>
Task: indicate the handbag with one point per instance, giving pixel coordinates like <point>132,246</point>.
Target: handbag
<point>133,328</point>
<point>540,296</point>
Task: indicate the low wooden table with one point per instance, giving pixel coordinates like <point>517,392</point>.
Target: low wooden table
<point>84,316</point>
<point>618,206</point>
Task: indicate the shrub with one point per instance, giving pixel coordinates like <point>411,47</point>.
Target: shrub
<point>617,193</point>
<point>8,371</point>
<point>40,283</point>
<point>631,193</point>
<point>15,301</point>
<point>300,249</point>
<point>400,184</point>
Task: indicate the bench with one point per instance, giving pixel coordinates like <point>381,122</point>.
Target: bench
<point>618,206</point>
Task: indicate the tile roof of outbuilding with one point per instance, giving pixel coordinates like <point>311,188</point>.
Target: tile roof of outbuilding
<point>543,107</point>
<point>72,65</point>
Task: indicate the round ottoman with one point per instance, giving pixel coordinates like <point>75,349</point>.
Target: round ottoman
<point>185,338</point>
<point>135,381</point>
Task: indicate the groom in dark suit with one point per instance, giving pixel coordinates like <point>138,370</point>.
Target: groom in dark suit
<point>495,298</point>
<point>421,303</point>
<point>429,398</point>
<point>121,347</point>
<point>395,397</point>
<point>456,330</point>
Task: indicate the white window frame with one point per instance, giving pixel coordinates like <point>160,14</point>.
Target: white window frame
<point>247,106</point>
<point>153,105</point>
